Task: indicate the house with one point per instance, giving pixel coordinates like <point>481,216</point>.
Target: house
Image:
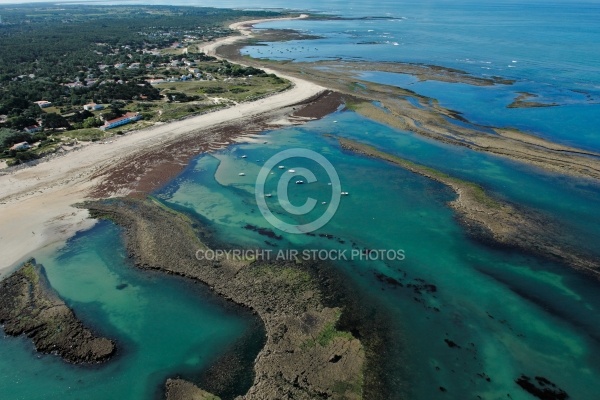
<point>32,128</point>
<point>93,107</point>
<point>43,103</point>
<point>125,119</point>
<point>21,146</point>
<point>156,81</point>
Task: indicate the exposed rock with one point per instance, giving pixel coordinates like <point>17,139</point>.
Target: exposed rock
<point>29,305</point>
<point>404,109</point>
<point>302,339</point>
<point>178,389</point>
<point>492,219</point>
<point>541,388</point>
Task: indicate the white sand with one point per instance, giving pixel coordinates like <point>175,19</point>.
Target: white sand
<point>36,202</point>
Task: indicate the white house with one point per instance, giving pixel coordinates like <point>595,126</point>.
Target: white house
<point>43,103</point>
<point>32,129</point>
<point>93,107</point>
<point>21,146</point>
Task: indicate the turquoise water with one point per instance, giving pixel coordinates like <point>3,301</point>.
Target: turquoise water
<point>551,49</point>
<point>510,313</point>
<point>163,326</point>
<point>574,121</point>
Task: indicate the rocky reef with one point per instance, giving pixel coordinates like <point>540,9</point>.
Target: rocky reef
<point>404,109</point>
<point>491,219</point>
<point>179,389</point>
<point>305,356</point>
<point>29,306</point>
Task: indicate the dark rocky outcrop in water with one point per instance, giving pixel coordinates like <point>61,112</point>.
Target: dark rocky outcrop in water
<point>305,355</point>
<point>541,388</point>
<point>28,305</point>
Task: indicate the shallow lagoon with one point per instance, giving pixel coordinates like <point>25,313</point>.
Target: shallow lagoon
<point>164,326</point>
<point>509,313</point>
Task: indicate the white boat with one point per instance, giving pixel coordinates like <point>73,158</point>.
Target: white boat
<point>241,174</point>
<point>291,170</point>
<point>281,167</point>
<point>268,195</point>
<point>344,193</point>
<point>244,156</point>
<point>299,182</point>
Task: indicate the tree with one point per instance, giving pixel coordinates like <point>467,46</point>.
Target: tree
<point>20,122</point>
<point>91,122</point>
<point>10,137</point>
<point>54,121</point>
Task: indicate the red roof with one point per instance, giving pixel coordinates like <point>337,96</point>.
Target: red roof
<point>124,117</point>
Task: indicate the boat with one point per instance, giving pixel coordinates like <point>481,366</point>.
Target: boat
<point>291,170</point>
<point>299,182</point>
<point>241,174</point>
<point>268,195</point>
<point>281,167</point>
<point>344,193</point>
<point>244,156</point>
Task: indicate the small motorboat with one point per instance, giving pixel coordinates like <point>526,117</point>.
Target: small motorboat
<point>344,193</point>
<point>291,170</point>
<point>244,156</point>
<point>268,195</point>
<point>281,167</point>
<point>299,182</point>
<point>242,174</point>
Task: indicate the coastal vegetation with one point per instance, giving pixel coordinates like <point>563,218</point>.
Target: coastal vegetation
<point>101,62</point>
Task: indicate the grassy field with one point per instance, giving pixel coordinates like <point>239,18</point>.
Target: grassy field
<point>236,89</point>
<point>85,134</point>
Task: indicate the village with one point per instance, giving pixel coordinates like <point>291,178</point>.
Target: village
<point>96,78</point>
<point>183,84</point>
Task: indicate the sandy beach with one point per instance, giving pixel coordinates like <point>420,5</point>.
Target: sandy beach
<point>36,202</point>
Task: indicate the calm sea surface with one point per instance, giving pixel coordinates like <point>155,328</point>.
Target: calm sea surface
<point>508,313</point>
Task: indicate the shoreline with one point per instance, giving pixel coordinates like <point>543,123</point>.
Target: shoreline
<point>428,119</point>
<point>36,201</point>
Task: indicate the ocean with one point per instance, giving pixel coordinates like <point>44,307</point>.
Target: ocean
<point>495,314</point>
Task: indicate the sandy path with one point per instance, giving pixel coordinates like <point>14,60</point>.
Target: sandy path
<point>36,202</point>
